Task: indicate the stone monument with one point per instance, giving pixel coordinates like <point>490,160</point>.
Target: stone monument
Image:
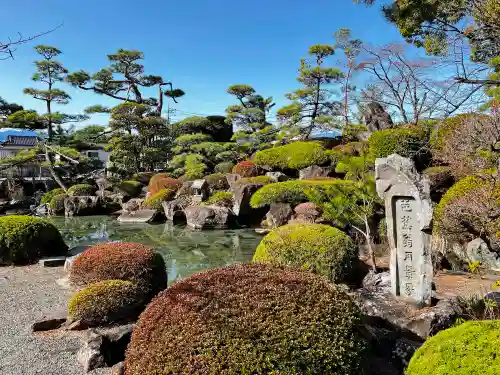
<point>408,214</point>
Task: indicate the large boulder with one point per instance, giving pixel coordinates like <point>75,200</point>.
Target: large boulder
<point>312,172</point>
<point>278,215</point>
<point>478,251</point>
<point>242,194</point>
<point>174,210</point>
<point>277,176</point>
<point>307,212</point>
<point>208,217</point>
<point>132,205</point>
<point>139,216</point>
<point>376,118</point>
<point>88,205</point>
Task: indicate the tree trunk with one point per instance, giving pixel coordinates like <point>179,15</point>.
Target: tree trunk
<point>53,172</point>
<point>371,252</point>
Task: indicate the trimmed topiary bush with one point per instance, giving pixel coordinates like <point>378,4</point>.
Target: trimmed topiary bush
<point>126,261</point>
<point>158,184</point>
<point>82,190</point>
<point>292,192</point>
<point>318,248</point>
<point>225,167</point>
<point>57,203</point>
<point>296,155</point>
<point>405,141</point>
<point>47,197</point>
<point>260,180</point>
<point>130,189</point>
<point>221,198</point>
<point>245,169</point>
<point>105,302</point>
<point>25,239</point>
<point>154,202</point>
<point>469,349</point>
<point>468,210</point>
<point>248,319</point>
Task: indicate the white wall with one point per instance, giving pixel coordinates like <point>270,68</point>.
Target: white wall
<point>101,155</point>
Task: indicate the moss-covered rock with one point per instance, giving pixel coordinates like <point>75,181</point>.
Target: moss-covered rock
<point>105,302</point>
<point>224,167</point>
<point>82,190</point>
<point>296,155</point>
<point>217,182</point>
<point>248,319</point>
<point>259,180</point>
<point>130,188</point>
<point>154,202</point>
<point>469,349</point>
<point>318,248</point>
<point>25,239</point>
<point>47,197</point>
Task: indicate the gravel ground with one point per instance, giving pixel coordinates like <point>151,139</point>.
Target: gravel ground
<point>28,294</point>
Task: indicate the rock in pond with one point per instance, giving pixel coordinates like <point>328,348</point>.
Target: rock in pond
<point>208,217</point>
<point>139,216</point>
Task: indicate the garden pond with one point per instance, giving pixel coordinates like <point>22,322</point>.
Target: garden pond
<point>185,251</point>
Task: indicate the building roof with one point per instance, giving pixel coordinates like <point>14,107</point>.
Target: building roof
<point>20,140</point>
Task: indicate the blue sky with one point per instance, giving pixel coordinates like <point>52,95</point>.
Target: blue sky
<point>203,46</point>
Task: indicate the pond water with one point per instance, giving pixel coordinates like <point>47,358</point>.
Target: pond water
<point>185,251</point>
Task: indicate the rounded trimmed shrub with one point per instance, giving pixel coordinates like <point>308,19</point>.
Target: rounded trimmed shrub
<point>25,239</point>
<point>224,167</point>
<point>82,190</point>
<point>126,261</point>
<point>158,184</point>
<point>259,180</point>
<point>405,141</point>
<point>318,248</point>
<point>469,349</point>
<point>47,197</point>
<point>292,192</point>
<point>221,198</point>
<point>248,319</point>
<point>296,155</point>
<point>57,203</point>
<point>130,188</point>
<point>245,169</point>
<point>470,207</point>
<point>106,302</point>
<point>154,202</point>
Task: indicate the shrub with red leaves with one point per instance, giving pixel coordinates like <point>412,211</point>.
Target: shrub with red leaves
<point>245,169</point>
<point>126,261</point>
<point>248,319</point>
<point>163,182</point>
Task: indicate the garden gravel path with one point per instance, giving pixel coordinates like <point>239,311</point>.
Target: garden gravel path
<point>28,294</point>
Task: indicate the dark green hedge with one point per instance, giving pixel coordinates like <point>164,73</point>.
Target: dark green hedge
<point>296,155</point>
<point>47,197</point>
<point>405,141</point>
<point>25,239</point>
<point>82,190</point>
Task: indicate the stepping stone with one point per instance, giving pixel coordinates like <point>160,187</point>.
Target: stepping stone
<point>52,262</point>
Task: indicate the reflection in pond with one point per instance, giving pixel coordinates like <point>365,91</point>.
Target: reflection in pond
<point>185,251</point>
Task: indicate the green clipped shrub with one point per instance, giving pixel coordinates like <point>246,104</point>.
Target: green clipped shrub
<point>82,190</point>
<point>225,167</point>
<point>47,197</point>
<point>318,248</point>
<point>143,177</point>
<point>126,261</point>
<point>195,167</point>
<point>292,192</point>
<point>469,209</point>
<point>25,239</point>
<point>154,202</point>
<point>405,141</point>
<point>296,155</point>
<point>130,189</point>
<point>245,169</point>
<point>260,180</point>
<point>469,349</point>
<point>217,181</point>
<point>57,203</point>
<point>248,319</point>
<point>105,302</point>
<point>221,198</point>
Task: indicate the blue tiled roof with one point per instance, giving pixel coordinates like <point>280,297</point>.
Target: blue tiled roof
<point>5,132</point>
